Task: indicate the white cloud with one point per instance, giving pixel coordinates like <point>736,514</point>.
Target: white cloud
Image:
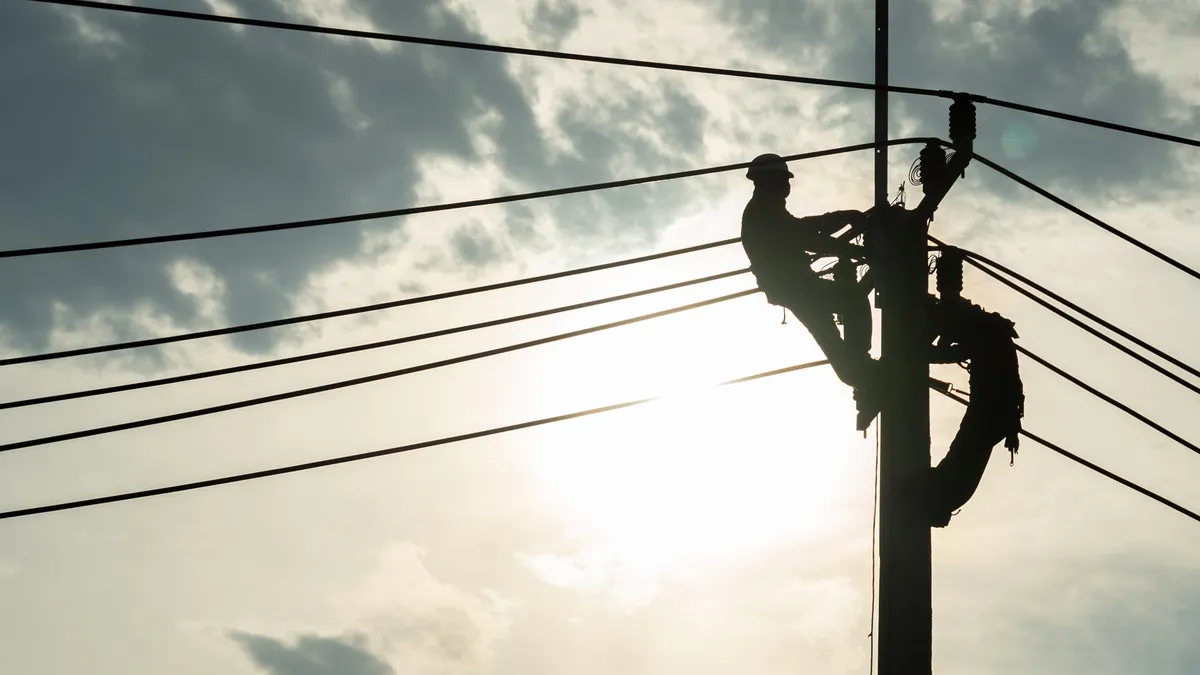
<point>400,618</point>
<point>627,586</point>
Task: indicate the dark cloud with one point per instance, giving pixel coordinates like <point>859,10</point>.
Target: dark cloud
<point>553,21</point>
<point>626,133</point>
<point>184,126</point>
<point>474,246</point>
<point>188,126</point>
<point>312,655</point>
<point>1063,57</point>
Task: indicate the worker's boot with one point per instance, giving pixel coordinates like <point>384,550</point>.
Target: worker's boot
<point>869,407</point>
<point>868,395</point>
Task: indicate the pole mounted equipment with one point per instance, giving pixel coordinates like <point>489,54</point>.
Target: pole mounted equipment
<point>950,273</point>
<point>963,125</point>
<point>929,171</point>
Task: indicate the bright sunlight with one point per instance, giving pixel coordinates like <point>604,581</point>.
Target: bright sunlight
<point>707,473</point>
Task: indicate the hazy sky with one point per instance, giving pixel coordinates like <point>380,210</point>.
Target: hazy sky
<point>720,531</point>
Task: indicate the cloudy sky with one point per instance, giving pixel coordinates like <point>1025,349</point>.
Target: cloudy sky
<point>722,530</point>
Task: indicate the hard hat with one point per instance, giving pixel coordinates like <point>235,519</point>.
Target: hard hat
<point>766,165</point>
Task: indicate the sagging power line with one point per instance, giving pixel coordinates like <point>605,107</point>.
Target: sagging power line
<point>1090,218</point>
<point>232,370</point>
<point>984,264</point>
<point>377,377</point>
<point>616,61</point>
<point>358,457</point>
<point>1057,370</point>
<point>1090,465</point>
<point>416,210</point>
<point>346,459</point>
<point>964,254</point>
<point>391,304</point>
<point>949,278</point>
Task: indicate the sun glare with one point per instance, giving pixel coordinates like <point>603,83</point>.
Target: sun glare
<point>706,472</point>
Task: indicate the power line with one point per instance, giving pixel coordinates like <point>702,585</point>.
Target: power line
<point>976,258</point>
<point>415,210</point>
<point>578,57</point>
<point>1093,331</point>
<point>1089,217</point>
<point>296,393</point>
<point>981,263</point>
<point>1110,400</point>
<point>483,47</point>
<point>392,304</point>
<point>345,459</point>
<point>609,60</point>
<point>144,384</point>
<point>150,342</point>
<point>1083,462</point>
<point>1112,126</point>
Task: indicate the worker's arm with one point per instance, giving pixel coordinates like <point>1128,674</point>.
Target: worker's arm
<point>831,223</point>
<point>807,233</point>
<point>826,246</point>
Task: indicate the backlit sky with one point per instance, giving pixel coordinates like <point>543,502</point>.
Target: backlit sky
<point>720,531</point>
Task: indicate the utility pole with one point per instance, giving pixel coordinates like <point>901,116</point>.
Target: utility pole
<point>905,613</point>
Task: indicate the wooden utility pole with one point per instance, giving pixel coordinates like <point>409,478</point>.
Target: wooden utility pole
<point>905,625</point>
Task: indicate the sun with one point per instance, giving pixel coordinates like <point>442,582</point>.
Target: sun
<point>706,472</point>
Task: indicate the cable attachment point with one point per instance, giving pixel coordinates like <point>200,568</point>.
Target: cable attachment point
<point>962,125</point>
<point>962,121</point>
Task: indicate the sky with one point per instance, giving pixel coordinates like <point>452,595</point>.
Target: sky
<point>718,530</point>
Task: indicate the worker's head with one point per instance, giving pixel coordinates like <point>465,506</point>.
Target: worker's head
<point>770,173</point>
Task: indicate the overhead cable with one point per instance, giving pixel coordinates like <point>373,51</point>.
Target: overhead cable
<point>1110,400</point>
<point>342,384</point>
<point>616,61</point>
<point>982,263</point>
<point>1089,217</point>
<point>346,459</point>
<point>415,210</point>
<point>189,377</point>
<point>483,47</point>
<point>1089,121</point>
<point>391,304</point>
<point>974,259</point>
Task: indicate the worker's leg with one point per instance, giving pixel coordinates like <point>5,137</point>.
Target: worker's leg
<point>850,365</point>
<point>853,366</point>
<point>814,303</point>
<point>852,305</point>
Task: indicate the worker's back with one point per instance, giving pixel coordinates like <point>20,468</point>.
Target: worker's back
<point>774,243</point>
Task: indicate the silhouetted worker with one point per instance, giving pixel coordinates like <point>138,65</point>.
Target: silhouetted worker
<point>984,340</point>
<point>778,243</point>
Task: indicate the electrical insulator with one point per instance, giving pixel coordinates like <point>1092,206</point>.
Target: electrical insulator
<point>950,273</point>
<point>933,167</point>
<point>962,121</point>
